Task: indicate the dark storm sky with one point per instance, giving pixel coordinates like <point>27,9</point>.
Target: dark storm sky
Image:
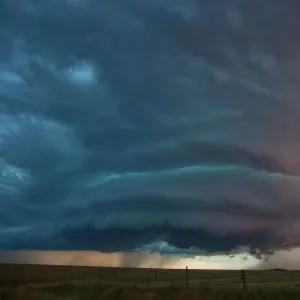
<point>165,125</point>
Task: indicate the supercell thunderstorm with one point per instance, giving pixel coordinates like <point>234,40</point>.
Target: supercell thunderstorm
<point>125,125</point>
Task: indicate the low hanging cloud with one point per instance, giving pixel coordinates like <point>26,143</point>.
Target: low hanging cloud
<point>117,259</point>
<point>168,126</point>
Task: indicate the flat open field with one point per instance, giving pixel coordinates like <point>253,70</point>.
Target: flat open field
<point>65,282</point>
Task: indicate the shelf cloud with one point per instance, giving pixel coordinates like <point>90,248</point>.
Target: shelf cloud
<point>162,126</point>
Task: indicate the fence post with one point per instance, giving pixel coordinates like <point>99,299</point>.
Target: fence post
<point>244,280</point>
<point>186,276</point>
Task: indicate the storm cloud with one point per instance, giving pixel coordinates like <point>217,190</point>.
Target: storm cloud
<point>162,126</point>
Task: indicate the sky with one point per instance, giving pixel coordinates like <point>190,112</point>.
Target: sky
<point>167,127</point>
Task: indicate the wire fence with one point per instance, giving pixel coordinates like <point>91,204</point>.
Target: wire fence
<point>148,277</point>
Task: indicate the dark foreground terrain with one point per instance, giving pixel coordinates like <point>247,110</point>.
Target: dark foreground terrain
<point>64,282</point>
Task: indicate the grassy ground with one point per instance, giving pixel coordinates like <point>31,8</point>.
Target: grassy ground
<point>74,283</point>
<point>93,291</point>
